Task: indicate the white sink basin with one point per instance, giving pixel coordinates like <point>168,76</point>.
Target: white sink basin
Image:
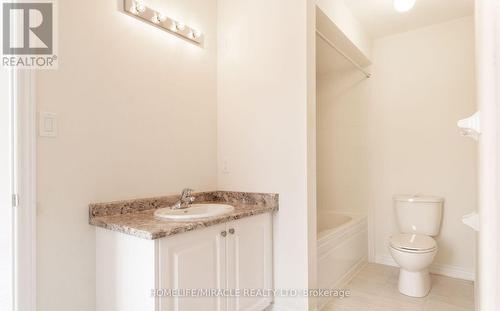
<point>195,212</point>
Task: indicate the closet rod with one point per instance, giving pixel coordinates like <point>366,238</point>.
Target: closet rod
<point>330,43</point>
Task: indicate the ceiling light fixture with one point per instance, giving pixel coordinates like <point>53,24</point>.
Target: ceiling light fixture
<point>140,10</point>
<point>404,5</point>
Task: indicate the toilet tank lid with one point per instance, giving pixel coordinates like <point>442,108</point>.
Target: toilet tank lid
<point>418,198</point>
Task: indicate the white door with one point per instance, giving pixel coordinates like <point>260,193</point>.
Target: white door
<point>194,261</point>
<point>249,260</point>
<point>6,209</point>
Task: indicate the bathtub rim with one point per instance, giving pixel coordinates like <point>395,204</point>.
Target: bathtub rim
<point>355,219</point>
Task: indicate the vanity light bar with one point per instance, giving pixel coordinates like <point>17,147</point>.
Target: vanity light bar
<point>139,9</point>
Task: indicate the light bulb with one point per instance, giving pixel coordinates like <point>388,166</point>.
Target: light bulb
<point>195,34</point>
<point>180,26</point>
<point>162,17</point>
<point>133,9</point>
<point>140,6</point>
<point>404,5</point>
<point>155,19</point>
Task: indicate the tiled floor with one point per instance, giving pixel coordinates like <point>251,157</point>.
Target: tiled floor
<point>375,288</point>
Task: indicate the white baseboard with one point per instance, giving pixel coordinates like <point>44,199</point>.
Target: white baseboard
<point>440,269</point>
<point>352,273</point>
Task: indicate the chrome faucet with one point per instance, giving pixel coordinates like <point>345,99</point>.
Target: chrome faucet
<point>186,199</point>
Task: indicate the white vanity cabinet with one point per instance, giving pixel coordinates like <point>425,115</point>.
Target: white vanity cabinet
<point>234,255</point>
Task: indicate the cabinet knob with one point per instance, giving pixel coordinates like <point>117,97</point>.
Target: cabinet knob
<point>223,233</point>
<point>231,231</point>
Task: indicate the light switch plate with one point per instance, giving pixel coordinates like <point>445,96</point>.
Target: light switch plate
<point>47,126</point>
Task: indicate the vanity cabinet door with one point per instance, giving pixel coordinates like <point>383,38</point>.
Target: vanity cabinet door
<point>194,260</point>
<point>249,261</point>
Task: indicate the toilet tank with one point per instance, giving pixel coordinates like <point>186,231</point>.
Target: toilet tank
<point>419,214</point>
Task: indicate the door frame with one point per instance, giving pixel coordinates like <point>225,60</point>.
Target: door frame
<point>488,89</point>
<point>24,188</point>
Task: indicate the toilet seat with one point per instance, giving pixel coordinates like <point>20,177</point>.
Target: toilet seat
<point>413,243</point>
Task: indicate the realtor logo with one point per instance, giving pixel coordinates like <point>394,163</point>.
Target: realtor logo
<point>28,34</point>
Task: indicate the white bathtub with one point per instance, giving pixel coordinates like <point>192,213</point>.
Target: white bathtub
<point>342,249</point>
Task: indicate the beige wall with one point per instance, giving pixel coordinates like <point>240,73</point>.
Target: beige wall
<point>343,134</point>
<point>423,83</point>
<point>137,118</point>
<point>262,118</point>
<point>400,128</point>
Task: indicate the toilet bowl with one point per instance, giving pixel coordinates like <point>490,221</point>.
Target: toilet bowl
<point>419,219</point>
<point>414,253</point>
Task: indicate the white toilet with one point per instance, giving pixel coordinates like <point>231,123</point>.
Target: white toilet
<point>414,249</point>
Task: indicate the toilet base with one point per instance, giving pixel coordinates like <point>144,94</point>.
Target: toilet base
<point>414,284</point>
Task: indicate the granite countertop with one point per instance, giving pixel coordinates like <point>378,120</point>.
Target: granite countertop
<point>136,217</point>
